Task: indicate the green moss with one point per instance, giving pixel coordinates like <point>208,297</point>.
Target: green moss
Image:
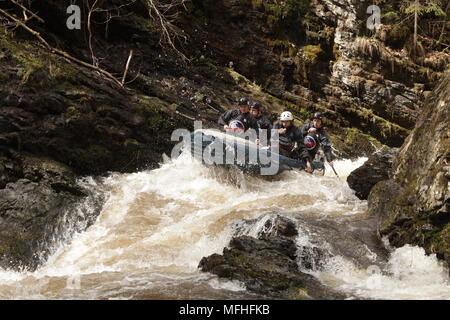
<point>386,128</point>
<point>241,258</point>
<point>353,143</point>
<point>312,53</point>
<point>72,111</point>
<point>152,108</point>
<point>439,241</point>
<point>294,10</point>
<point>40,67</point>
<point>398,33</point>
<point>296,293</point>
<point>288,13</point>
<point>23,54</point>
<point>144,24</point>
<point>257,4</point>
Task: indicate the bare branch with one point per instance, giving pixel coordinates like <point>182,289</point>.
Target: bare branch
<point>159,12</point>
<point>91,10</point>
<point>23,25</point>
<point>64,54</point>
<point>126,68</point>
<point>25,9</point>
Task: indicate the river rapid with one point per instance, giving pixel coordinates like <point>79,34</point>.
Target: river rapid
<point>155,227</point>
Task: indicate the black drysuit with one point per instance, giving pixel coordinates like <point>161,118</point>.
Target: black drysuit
<point>264,124</point>
<point>246,118</point>
<point>322,139</point>
<point>287,142</point>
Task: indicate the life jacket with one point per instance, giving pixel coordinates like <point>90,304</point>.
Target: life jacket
<point>287,140</point>
<point>286,143</point>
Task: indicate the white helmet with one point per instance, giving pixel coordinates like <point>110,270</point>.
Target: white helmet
<point>286,116</point>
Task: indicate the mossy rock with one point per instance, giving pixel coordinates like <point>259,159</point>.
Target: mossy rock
<point>352,143</point>
<point>312,53</point>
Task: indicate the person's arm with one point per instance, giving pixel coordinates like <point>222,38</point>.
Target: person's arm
<point>276,126</point>
<point>221,120</point>
<point>225,118</point>
<point>304,129</point>
<point>267,124</point>
<point>254,126</point>
<point>326,145</point>
<point>302,152</point>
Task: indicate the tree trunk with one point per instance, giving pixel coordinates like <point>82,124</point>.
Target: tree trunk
<point>441,36</point>
<point>416,18</point>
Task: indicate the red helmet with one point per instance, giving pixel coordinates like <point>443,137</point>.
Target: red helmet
<point>310,142</point>
<point>236,125</point>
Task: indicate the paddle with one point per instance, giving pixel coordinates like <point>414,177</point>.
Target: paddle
<point>335,172</point>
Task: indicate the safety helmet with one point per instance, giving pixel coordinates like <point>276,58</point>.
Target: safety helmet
<point>236,125</point>
<point>243,101</point>
<point>318,115</point>
<point>256,105</point>
<point>286,116</point>
<point>310,142</point>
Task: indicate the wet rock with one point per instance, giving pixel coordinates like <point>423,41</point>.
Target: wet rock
<point>412,206</point>
<point>34,212</point>
<point>377,168</point>
<point>268,264</point>
<point>278,226</point>
<point>312,258</point>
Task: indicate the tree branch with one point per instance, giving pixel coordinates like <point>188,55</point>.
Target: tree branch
<point>33,15</point>
<point>61,53</point>
<point>169,32</point>
<point>126,68</point>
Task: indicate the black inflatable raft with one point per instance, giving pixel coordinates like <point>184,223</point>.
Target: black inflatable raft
<point>216,148</point>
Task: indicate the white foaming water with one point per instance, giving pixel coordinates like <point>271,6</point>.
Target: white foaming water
<point>157,225</point>
<point>409,274</point>
<point>344,167</point>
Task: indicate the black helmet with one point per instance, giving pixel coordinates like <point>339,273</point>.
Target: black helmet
<point>257,105</point>
<point>243,101</point>
<point>318,115</point>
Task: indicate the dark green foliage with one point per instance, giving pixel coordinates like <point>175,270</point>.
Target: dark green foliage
<point>295,10</point>
<point>433,29</point>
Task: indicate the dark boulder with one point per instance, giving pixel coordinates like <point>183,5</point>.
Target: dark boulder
<point>377,168</point>
<point>40,209</point>
<point>268,264</point>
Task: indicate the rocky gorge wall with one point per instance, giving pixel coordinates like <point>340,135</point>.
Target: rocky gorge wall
<point>414,205</point>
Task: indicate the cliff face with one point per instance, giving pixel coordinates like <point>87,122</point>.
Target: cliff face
<point>60,120</point>
<point>322,58</point>
<point>414,206</point>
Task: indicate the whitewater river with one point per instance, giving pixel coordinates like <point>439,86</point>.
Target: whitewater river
<point>157,225</point>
